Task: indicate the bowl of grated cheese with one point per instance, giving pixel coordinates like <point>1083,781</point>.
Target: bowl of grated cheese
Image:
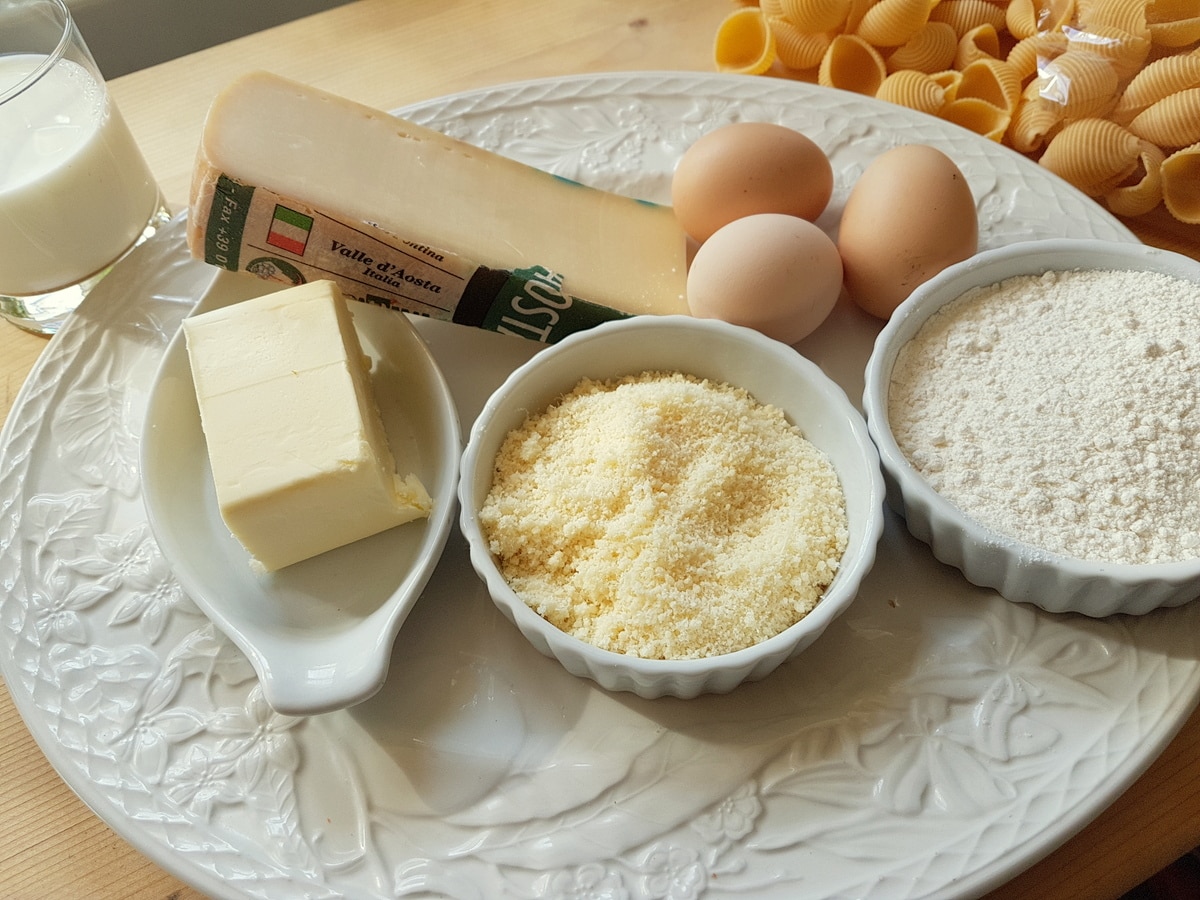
<point>1037,414</point>
<point>671,506</point>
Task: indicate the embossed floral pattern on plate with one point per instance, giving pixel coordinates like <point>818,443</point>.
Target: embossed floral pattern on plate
<point>935,741</point>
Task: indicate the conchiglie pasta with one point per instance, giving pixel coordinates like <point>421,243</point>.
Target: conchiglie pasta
<point>981,42</point>
<point>1181,184</point>
<point>1136,197</point>
<point>949,80</point>
<point>1095,155</point>
<point>1159,79</point>
<point>1177,33</point>
<point>1026,55</point>
<point>771,9</point>
<point>1082,83</point>
<point>1034,121</point>
<point>744,44</point>
<point>854,15</point>
<point>993,81</point>
<point>930,50</point>
<point>852,64</point>
<point>1181,13</point>
<point>1126,52</point>
<point>963,15</point>
<point>1168,10</point>
<point>798,49</point>
<point>815,16</point>
<point>1127,15</point>
<point>979,116</point>
<point>1104,92</point>
<point>913,89</point>
<point>890,23</point>
<point>1173,121</point>
<point>1025,18</point>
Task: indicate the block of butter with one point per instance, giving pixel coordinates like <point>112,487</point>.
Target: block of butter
<point>299,455</point>
<point>294,183</point>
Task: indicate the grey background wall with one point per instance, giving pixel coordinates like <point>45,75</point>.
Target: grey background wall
<point>126,35</point>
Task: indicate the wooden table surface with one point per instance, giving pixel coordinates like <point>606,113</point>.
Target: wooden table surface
<point>387,54</point>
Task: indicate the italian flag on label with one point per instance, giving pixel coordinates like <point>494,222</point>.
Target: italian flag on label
<point>375,266</point>
<point>289,230</point>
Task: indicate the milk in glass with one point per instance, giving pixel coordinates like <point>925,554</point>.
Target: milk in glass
<point>75,192</point>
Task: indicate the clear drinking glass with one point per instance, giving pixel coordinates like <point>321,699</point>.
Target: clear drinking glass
<point>76,194</point>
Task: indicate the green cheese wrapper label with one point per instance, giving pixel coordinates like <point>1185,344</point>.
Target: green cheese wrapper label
<point>252,229</point>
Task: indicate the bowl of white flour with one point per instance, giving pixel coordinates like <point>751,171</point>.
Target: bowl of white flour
<point>1037,414</point>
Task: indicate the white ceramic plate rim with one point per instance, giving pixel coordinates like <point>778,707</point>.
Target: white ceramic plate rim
<point>1020,199</point>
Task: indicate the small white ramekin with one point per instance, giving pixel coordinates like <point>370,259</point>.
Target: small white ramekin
<point>772,373</point>
<point>1018,571</point>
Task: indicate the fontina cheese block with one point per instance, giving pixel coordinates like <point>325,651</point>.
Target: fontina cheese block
<point>299,456</point>
<point>293,184</point>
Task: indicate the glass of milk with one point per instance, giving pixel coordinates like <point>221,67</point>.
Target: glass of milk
<point>75,193</point>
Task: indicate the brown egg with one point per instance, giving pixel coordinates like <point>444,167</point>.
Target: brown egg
<point>777,274</point>
<point>748,168</point>
<point>909,215</point>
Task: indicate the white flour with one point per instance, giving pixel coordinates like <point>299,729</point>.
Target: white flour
<point>1063,411</point>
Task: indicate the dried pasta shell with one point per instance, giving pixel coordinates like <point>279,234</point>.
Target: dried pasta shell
<point>852,64</point>
<point>798,49</point>
<point>744,43</point>
<point>963,15</point>
<point>1034,122</point>
<point>1027,54</point>
<point>930,50</point>
<point>913,89</point>
<point>1173,121</point>
<point>1095,155</point>
<point>979,116</point>
<point>1157,80</point>
<point>771,9</point>
<point>815,15</point>
<point>1178,33</point>
<point>858,9</point>
<point>890,23</point>
<point>1138,197</point>
<point>981,42</point>
<point>993,81</point>
<point>1127,15</point>
<point>1173,23</point>
<point>1025,18</point>
<point>1126,52</point>
<point>1169,10</point>
<point>948,81</point>
<point>1082,83</point>
<point>1181,184</point>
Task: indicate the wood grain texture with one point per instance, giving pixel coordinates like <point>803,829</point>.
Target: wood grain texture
<point>51,844</point>
<point>389,54</point>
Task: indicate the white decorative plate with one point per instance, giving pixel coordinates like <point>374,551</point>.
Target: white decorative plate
<point>934,742</point>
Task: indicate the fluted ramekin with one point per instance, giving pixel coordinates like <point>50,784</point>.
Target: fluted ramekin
<point>1018,571</point>
<point>772,373</point>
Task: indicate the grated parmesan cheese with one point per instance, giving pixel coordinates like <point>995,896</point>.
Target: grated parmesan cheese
<point>665,517</point>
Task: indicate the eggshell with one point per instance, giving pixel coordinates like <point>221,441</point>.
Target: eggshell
<point>748,168</point>
<point>908,216</point>
<point>778,274</point>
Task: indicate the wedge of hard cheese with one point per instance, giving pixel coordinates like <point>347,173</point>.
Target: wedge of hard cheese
<point>299,455</point>
<point>294,184</point>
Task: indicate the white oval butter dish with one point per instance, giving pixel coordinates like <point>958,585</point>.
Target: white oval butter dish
<point>319,633</point>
